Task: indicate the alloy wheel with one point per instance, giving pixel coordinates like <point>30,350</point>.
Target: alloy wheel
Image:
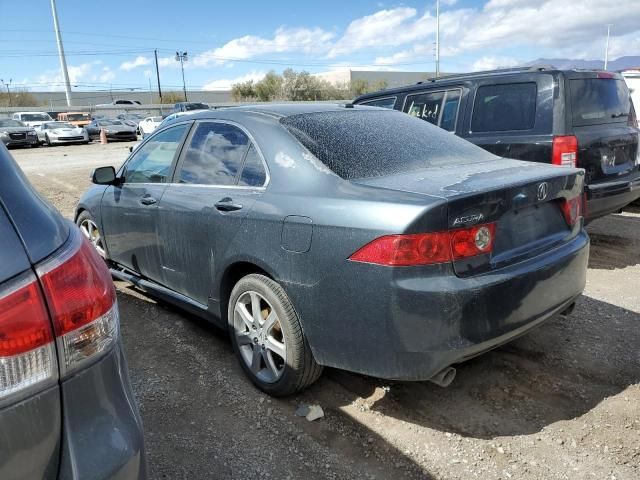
<point>90,230</point>
<point>259,335</point>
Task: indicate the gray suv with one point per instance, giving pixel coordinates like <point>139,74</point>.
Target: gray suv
<point>66,405</point>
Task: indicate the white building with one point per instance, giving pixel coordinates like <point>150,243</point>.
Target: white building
<point>632,77</point>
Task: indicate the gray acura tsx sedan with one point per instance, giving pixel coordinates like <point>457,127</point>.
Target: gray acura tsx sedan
<point>342,236</point>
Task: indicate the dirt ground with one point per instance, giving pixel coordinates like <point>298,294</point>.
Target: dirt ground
<point>562,402</point>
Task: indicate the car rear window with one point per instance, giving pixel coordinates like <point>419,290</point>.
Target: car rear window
<point>375,143</point>
<point>599,100</point>
<point>504,107</point>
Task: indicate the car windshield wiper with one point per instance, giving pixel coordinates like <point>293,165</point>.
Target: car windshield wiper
<point>618,115</point>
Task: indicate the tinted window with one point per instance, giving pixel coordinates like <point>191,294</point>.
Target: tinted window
<point>426,106</point>
<point>253,173</point>
<point>499,108</point>
<point>388,102</point>
<point>599,100</point>
<point>152,161</point>
<point>450,110</point>
<point>361,143</point>
<point>214,155</point>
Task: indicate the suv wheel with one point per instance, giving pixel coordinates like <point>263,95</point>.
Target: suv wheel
<point>89,229</point>
<point>268,339</point>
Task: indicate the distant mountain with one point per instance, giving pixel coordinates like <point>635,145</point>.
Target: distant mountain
<point>621,63</point>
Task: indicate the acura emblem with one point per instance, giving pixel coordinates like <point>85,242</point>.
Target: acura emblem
<point>543,190</point>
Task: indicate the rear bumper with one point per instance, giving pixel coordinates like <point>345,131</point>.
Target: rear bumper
<point>410,323</point>
<point>103,437</point>
<point>608,197</point>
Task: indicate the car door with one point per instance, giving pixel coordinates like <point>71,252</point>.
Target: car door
<point>129,209</point>
<point>219,176</point>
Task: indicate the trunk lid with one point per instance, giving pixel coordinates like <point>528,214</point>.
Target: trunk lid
<point>524,199</point>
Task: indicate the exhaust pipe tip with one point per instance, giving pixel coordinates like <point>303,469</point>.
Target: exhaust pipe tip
<point>444,377</point>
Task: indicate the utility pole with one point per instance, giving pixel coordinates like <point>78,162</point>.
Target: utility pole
<point>437,38</point>
<point>8,91</point>
<point>158,75</point>
<point>606,49</point>
<point>182,57</point>
<point>63,61</point>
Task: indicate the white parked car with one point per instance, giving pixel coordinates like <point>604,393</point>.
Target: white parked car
<point>61,132</point>
<point>32,119</point>
<point>148,125</point>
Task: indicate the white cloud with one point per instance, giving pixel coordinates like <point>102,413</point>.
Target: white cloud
<point>305,40</point>
<point>83,74</point>
<point>392,27</point>
<point>493,62</point>
<point>227,83</point>
<point>139,61</point>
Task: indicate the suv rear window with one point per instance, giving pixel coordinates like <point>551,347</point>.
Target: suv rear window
<point>599,100</point>
<point>366,143</point>
<point>505,107</point>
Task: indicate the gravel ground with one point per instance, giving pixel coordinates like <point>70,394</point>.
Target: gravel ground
<point>562,402</point>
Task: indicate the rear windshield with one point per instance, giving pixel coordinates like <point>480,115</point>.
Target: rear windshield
<point>599,100</point>
<point>77,116</point>
<point>375,143</point>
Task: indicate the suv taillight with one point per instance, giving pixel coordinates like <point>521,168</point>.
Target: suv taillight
<point>27,352</point>
<point>428,248</point>
<point>76,292</point>
<point>82,301</point>
<point>565,151</point>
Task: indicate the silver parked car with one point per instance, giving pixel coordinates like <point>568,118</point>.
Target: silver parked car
<point>15,133</point>
<point>62,132</point>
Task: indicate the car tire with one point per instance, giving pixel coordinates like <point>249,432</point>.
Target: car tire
<point>275,328</point>
<point>89,228</point>
<point>47,140</point>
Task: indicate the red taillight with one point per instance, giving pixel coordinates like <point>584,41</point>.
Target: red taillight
<point>572,209</point>
<point>606,75</point>
<point>565,151</point>
<point>473,241</point>
<point>78,289</point>
<point>427,248</point>
<point>27,354</point>
<point>82,301</point>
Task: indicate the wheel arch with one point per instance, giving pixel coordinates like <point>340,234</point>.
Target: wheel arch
<point>232,274</point>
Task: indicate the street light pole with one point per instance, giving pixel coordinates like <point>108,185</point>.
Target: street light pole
<point>63,60</point>
<point>606,49</point>
<point>437,38</point>
<point>8,91</point>
<point>183,58</point>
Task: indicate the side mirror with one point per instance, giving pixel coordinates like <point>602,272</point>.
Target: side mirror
<point>104,176</point>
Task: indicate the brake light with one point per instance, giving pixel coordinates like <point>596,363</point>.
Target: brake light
<point>82,301</point>
<point>605,75</point>
<point>565,151</point>
<point>27,353</point>
<point>572,209</point>
<point>427,248</point>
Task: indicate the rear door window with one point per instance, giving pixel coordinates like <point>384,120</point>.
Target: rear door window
<point>438,108</point>
<point>387,102</point>
<point>504,107</point>
<point>599,100</point>
<point>253,172</point>
<point>214,155</point>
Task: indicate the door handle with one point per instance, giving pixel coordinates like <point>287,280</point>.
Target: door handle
<point>148,200</point>
<point>227,205</point>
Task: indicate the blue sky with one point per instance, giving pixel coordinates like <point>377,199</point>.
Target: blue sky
<point>110,44</point>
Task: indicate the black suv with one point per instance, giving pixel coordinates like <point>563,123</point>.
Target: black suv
<point>189,106</point>
<point>565,117</point>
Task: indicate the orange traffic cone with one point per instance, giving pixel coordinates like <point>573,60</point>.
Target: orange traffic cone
<point>103,137</point>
